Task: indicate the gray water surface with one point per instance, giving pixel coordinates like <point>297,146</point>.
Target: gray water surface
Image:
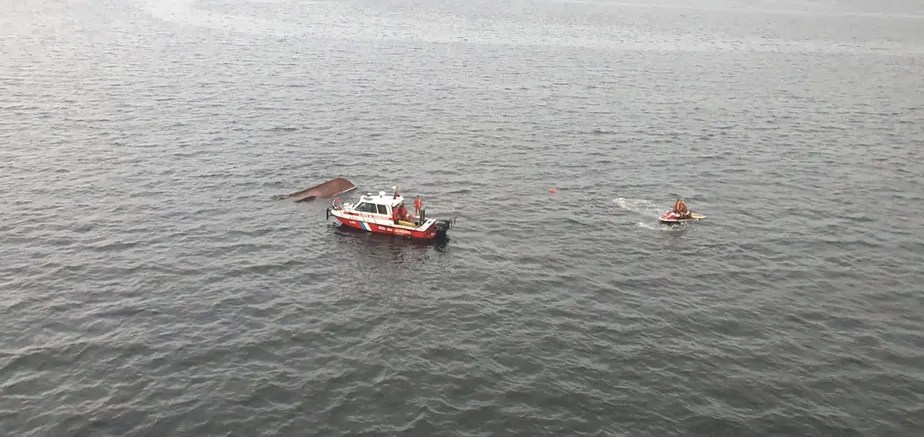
<point>150,286</point>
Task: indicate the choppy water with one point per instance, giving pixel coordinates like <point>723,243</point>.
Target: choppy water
<point>151,287</point>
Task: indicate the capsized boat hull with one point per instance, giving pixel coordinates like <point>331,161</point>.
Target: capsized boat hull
<point>329,189</point>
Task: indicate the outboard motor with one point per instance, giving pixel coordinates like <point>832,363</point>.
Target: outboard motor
<point>442,227</point>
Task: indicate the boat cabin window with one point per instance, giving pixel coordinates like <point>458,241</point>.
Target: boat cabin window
<point>365,207</point>
<point>383,210</point>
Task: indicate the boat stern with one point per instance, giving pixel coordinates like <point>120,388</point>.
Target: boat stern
<point>442,228</point>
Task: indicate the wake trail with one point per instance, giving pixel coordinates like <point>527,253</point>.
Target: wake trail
<point>638,206</point>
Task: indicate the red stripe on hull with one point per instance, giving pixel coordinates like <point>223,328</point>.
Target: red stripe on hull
<point>381,229</point>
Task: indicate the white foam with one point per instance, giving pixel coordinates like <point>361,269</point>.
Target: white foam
<point>184,12</point>
<point>638,206</point>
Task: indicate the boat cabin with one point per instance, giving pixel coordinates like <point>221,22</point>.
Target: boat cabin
<point>381,205</point>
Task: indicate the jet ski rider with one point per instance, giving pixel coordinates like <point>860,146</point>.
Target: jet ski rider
<point>680,209</point>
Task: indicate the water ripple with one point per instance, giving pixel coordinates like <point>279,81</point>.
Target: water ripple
<point>151,285</point>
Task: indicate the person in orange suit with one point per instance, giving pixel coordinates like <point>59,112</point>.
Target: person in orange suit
<point>680,208</point>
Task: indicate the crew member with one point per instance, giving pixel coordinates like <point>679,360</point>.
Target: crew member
<point>418,205</point>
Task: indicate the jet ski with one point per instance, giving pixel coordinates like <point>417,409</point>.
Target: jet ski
<point>671,217</point>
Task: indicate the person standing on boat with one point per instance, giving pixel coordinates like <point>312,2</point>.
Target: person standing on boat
<point>418,205</point>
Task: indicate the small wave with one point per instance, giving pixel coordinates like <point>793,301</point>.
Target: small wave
<point>577,222</point>
<point>645,225</point>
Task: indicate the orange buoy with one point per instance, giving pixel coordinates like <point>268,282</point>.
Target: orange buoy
<point>553,190</point>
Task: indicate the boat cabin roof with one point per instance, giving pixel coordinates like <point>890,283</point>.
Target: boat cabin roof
<point>382,198</point>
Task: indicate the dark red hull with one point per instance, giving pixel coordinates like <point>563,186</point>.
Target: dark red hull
<point>331,188</point>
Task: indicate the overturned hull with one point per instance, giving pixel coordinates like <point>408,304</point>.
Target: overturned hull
<point>331,188</point>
